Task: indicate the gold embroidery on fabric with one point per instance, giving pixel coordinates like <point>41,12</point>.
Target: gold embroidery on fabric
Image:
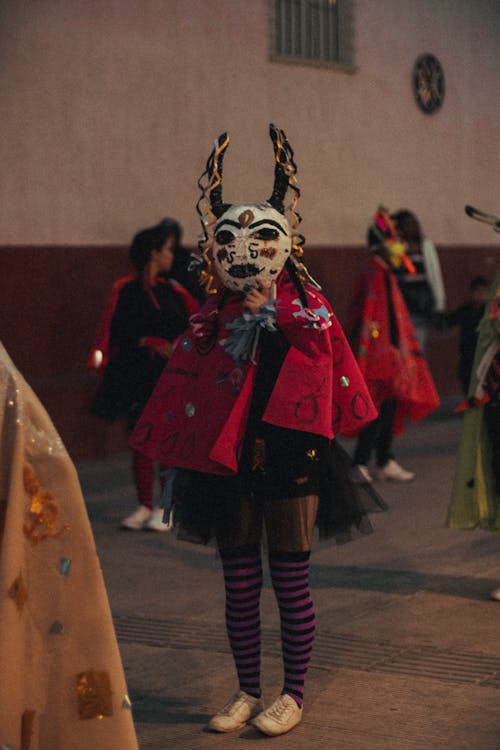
<point>259,454</point>
<point>43,510</point>
<point>94,695</point>
<point>18,592</point>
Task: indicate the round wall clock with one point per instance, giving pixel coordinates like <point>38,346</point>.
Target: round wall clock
<point>428,83</point>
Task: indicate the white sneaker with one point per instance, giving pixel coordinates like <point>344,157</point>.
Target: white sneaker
<point>137,519</point>
<point>495,595</point>
<point>236,713</point>
<point>155,521</point>
<point>392,470</point>
<point>279,718</point>
<point>360,474</point>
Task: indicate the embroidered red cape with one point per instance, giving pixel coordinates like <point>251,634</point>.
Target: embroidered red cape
<point>197,414</point>
<point>391,372</point>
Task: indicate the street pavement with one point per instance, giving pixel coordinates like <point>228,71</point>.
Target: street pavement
<point>407,655</point>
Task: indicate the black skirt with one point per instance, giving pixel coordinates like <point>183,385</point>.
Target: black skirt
<point>206,505</point>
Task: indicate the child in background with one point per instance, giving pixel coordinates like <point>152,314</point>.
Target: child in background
<point>147,311</point>
<point>467,317</point>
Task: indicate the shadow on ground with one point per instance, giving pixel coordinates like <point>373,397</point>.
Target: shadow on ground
<point>402,582</point>
<point>158,709</point>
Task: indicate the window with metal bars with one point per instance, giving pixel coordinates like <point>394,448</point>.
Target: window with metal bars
<point>318,32</point>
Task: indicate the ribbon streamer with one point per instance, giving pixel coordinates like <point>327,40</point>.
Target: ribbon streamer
<point>242,344</point>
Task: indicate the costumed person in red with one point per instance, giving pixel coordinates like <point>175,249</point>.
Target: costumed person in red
<point>245,414</point>
<point>388,354</point>
<point>146,312</point>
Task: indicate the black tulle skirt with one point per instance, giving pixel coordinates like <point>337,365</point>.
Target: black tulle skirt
<point>207,506</point>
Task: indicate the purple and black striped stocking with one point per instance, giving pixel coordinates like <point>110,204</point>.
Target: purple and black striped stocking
<point>243,581</point>
<point>290,579</point>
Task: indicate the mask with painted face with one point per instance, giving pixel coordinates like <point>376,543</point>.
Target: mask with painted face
<point>250,243</point>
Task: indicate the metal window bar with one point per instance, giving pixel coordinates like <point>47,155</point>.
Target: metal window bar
<point>308,29</point>
<point>298,37</point>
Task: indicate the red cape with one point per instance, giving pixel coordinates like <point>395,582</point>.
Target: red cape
<point>197,415</point>
<point>391,372</point>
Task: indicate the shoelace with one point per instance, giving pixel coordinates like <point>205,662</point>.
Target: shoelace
<point>281,711</point>
<point>232,705</point>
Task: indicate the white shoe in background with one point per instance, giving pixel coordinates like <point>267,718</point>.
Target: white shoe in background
<point>360,474</point>
<point>155,521</point>
<point>392,470</point>
<point>137,519</point>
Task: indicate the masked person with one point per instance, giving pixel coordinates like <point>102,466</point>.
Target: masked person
<point>388,354</point>
<point>245,412</point>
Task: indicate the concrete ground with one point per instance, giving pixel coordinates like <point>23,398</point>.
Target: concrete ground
<point>407,655</point>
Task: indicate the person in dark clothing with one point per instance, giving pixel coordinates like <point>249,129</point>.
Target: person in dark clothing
<point>422,287</point>
<point>149,310</point>
<point>467,317</point>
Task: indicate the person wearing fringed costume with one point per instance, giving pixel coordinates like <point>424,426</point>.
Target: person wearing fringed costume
<point>245,414</point>
<point>388,353</point>
<point>475,499</point>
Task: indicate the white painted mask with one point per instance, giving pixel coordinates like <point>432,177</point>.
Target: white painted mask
<point>251,245</point>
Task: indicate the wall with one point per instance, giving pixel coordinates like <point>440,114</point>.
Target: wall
<point>110,109</point>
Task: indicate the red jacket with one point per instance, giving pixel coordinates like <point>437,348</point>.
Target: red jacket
<point>197,415</point>
<point>392,370</point>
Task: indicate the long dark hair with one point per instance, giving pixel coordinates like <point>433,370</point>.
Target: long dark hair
<point>153,238</point>
<point>403,218</point>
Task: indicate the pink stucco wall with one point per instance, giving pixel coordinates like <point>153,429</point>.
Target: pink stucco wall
<point>109,110</point>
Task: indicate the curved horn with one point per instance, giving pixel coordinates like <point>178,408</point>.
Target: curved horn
<point>210,206</point>
<point>214,171</point>
<point>284,169</point>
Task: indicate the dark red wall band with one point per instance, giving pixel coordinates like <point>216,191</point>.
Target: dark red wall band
<point>51,299</point>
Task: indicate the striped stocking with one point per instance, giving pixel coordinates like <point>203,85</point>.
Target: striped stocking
<point>243,581</point>
<point>290,579</point>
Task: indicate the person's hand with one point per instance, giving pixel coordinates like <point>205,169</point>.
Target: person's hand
<point>255,298</point>
<point>162,347</point>
<point>165,350</point>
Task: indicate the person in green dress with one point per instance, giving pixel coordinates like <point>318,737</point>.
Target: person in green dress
<point>475,499</point>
